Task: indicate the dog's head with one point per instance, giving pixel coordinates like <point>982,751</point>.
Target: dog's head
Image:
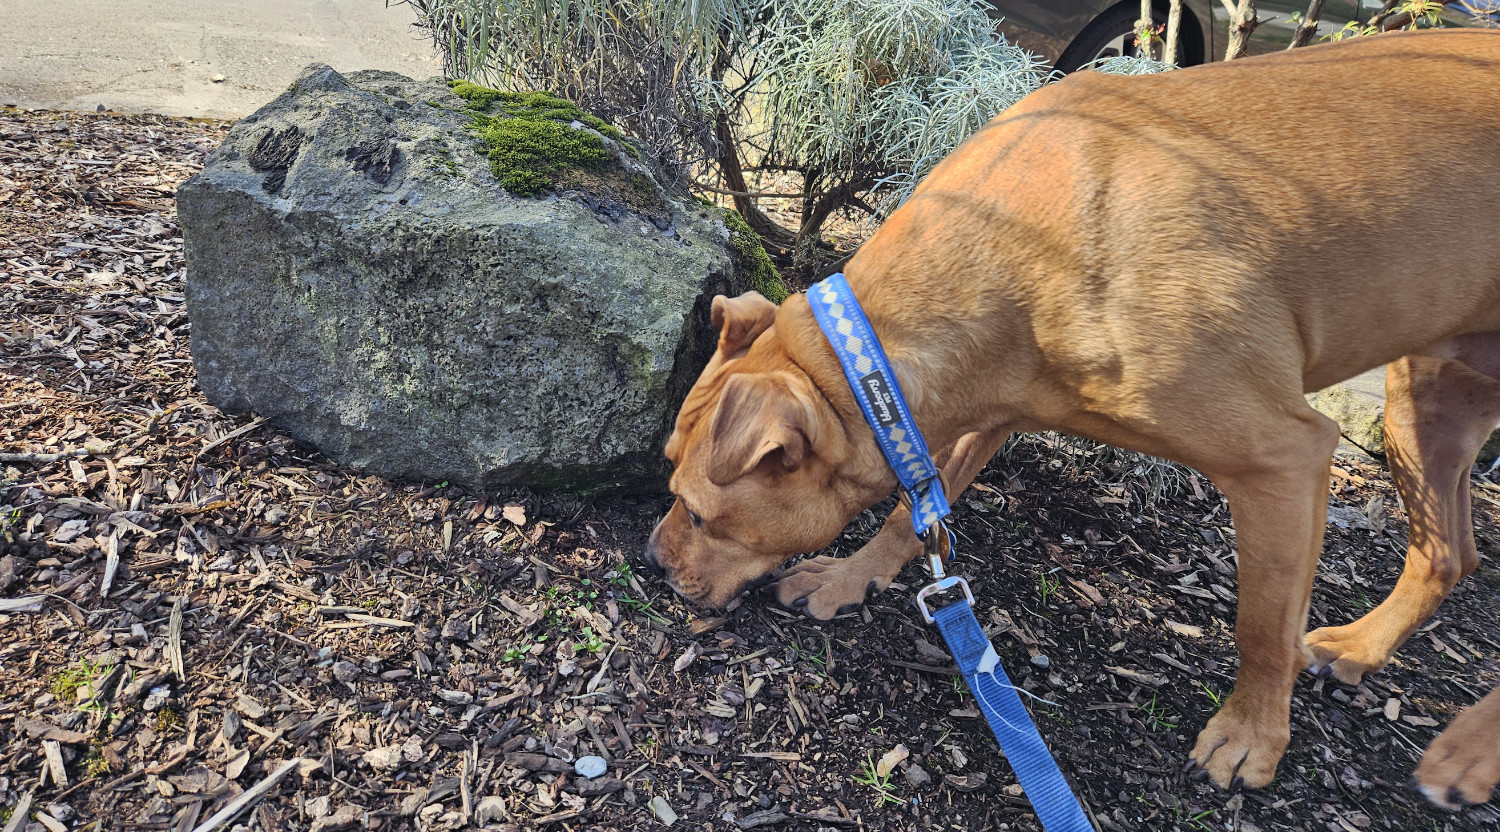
<point>757,450</point>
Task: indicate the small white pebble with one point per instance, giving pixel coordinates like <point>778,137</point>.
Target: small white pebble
<point>590,766</point>
<point>663,811</point>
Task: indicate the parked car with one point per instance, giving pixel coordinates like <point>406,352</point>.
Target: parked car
<point>1073,33</point>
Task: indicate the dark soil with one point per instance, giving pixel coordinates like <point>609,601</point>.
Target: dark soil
<point>430,658</point>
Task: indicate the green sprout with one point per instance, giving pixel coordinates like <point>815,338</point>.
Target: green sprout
<point>1156,715</point>
<point>591,642</point>
<point>870,776</point>
<point>1049,585</point>
<point>1212,697</point>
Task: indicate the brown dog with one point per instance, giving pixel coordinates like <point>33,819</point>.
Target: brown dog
<point>1164,263</point>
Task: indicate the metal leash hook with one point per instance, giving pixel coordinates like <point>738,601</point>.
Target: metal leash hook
<point>937,545</point>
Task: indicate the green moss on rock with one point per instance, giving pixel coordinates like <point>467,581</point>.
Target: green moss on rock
<point>751,259</point>
<point>527,156</point>
<point>529,106</point>
<point>527,137</point>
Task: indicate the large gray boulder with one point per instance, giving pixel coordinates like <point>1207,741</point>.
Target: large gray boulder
<point>357,274</point>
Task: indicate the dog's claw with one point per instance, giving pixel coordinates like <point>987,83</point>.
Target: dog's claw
<point>1200,775</point>
<point>847,608</point>
<point>1237,783</point>
<point>1189,765</point>
<point>872,590</point>
<point>800,603</point>
<point>1456,798</point>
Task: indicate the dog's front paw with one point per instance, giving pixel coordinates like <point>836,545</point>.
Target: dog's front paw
<point>1347,652</point>
<point>1238,749</point>
<point>1463,764</point>
<point>823,587</point>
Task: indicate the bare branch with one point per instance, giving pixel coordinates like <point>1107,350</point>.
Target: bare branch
<point>1241,25</point>
<point>1309,25</point>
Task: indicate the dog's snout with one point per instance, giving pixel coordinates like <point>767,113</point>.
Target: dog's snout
<point>650,560</point>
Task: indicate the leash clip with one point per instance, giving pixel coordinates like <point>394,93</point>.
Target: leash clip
<point>937,547</point>
<point>938,586</point>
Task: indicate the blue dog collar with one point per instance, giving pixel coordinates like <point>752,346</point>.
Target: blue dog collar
<point>874,383</point>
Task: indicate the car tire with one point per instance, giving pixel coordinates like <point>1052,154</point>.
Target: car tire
<point>1113,33</point>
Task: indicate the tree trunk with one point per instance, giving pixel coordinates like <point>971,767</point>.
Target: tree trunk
<point>816,212</point>
<point>771,234</point>
<point>774,237</point>
<point>1309,25</point>
<point>1241,24</point>
<point>1174,25</point>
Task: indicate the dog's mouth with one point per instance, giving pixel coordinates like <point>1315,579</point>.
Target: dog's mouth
<point>746,588</point>
<point>756,583</point>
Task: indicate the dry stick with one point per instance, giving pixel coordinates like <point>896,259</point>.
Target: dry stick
<point>96,450</point>
<point>1174,25</point>
<point>249,798</point>
<point>174,640</point>
<point>52,749</point>
<point>1309,25</point>
<point>231,436</point>
<point>19,814</point>
<point>748,194</point>
<point>111,563</point>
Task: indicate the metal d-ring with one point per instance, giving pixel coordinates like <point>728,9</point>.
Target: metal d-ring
<point>942,585</point>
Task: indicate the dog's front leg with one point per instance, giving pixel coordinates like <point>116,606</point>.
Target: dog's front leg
<point>823,587</point>
<point>1278,496</point>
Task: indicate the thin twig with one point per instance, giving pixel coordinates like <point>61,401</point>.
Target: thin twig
<point>249,798</point>
<point>231,436</point>
<point>97,450</point>
<point>749,194</point>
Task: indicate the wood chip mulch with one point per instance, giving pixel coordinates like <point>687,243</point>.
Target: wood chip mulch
<point>203,622</point>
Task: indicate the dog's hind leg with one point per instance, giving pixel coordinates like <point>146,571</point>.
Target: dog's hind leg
<point>1463,764</point>
<point>1439,411</point>
<point>823,587</point>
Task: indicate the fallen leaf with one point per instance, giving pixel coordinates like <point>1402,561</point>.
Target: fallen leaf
<point>1189,630</point>
<point>514,513</point>
<point>688,656</point>
<point>890,760</point>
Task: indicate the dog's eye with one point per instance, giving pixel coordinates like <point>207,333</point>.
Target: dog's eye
<point>693,516</point>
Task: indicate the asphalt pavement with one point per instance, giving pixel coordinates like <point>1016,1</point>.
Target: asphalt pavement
<point>206,58</point>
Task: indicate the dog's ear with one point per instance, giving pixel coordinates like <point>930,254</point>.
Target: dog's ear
<point>760,417</point>
<point>740,320</point>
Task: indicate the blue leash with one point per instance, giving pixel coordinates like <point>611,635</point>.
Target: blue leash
<point>879,394</point>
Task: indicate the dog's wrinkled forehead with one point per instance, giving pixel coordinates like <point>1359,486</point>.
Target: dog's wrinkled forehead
<point>741,322</point>
<point>697,409</point>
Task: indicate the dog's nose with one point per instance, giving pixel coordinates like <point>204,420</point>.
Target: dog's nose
<point>648,557</point>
